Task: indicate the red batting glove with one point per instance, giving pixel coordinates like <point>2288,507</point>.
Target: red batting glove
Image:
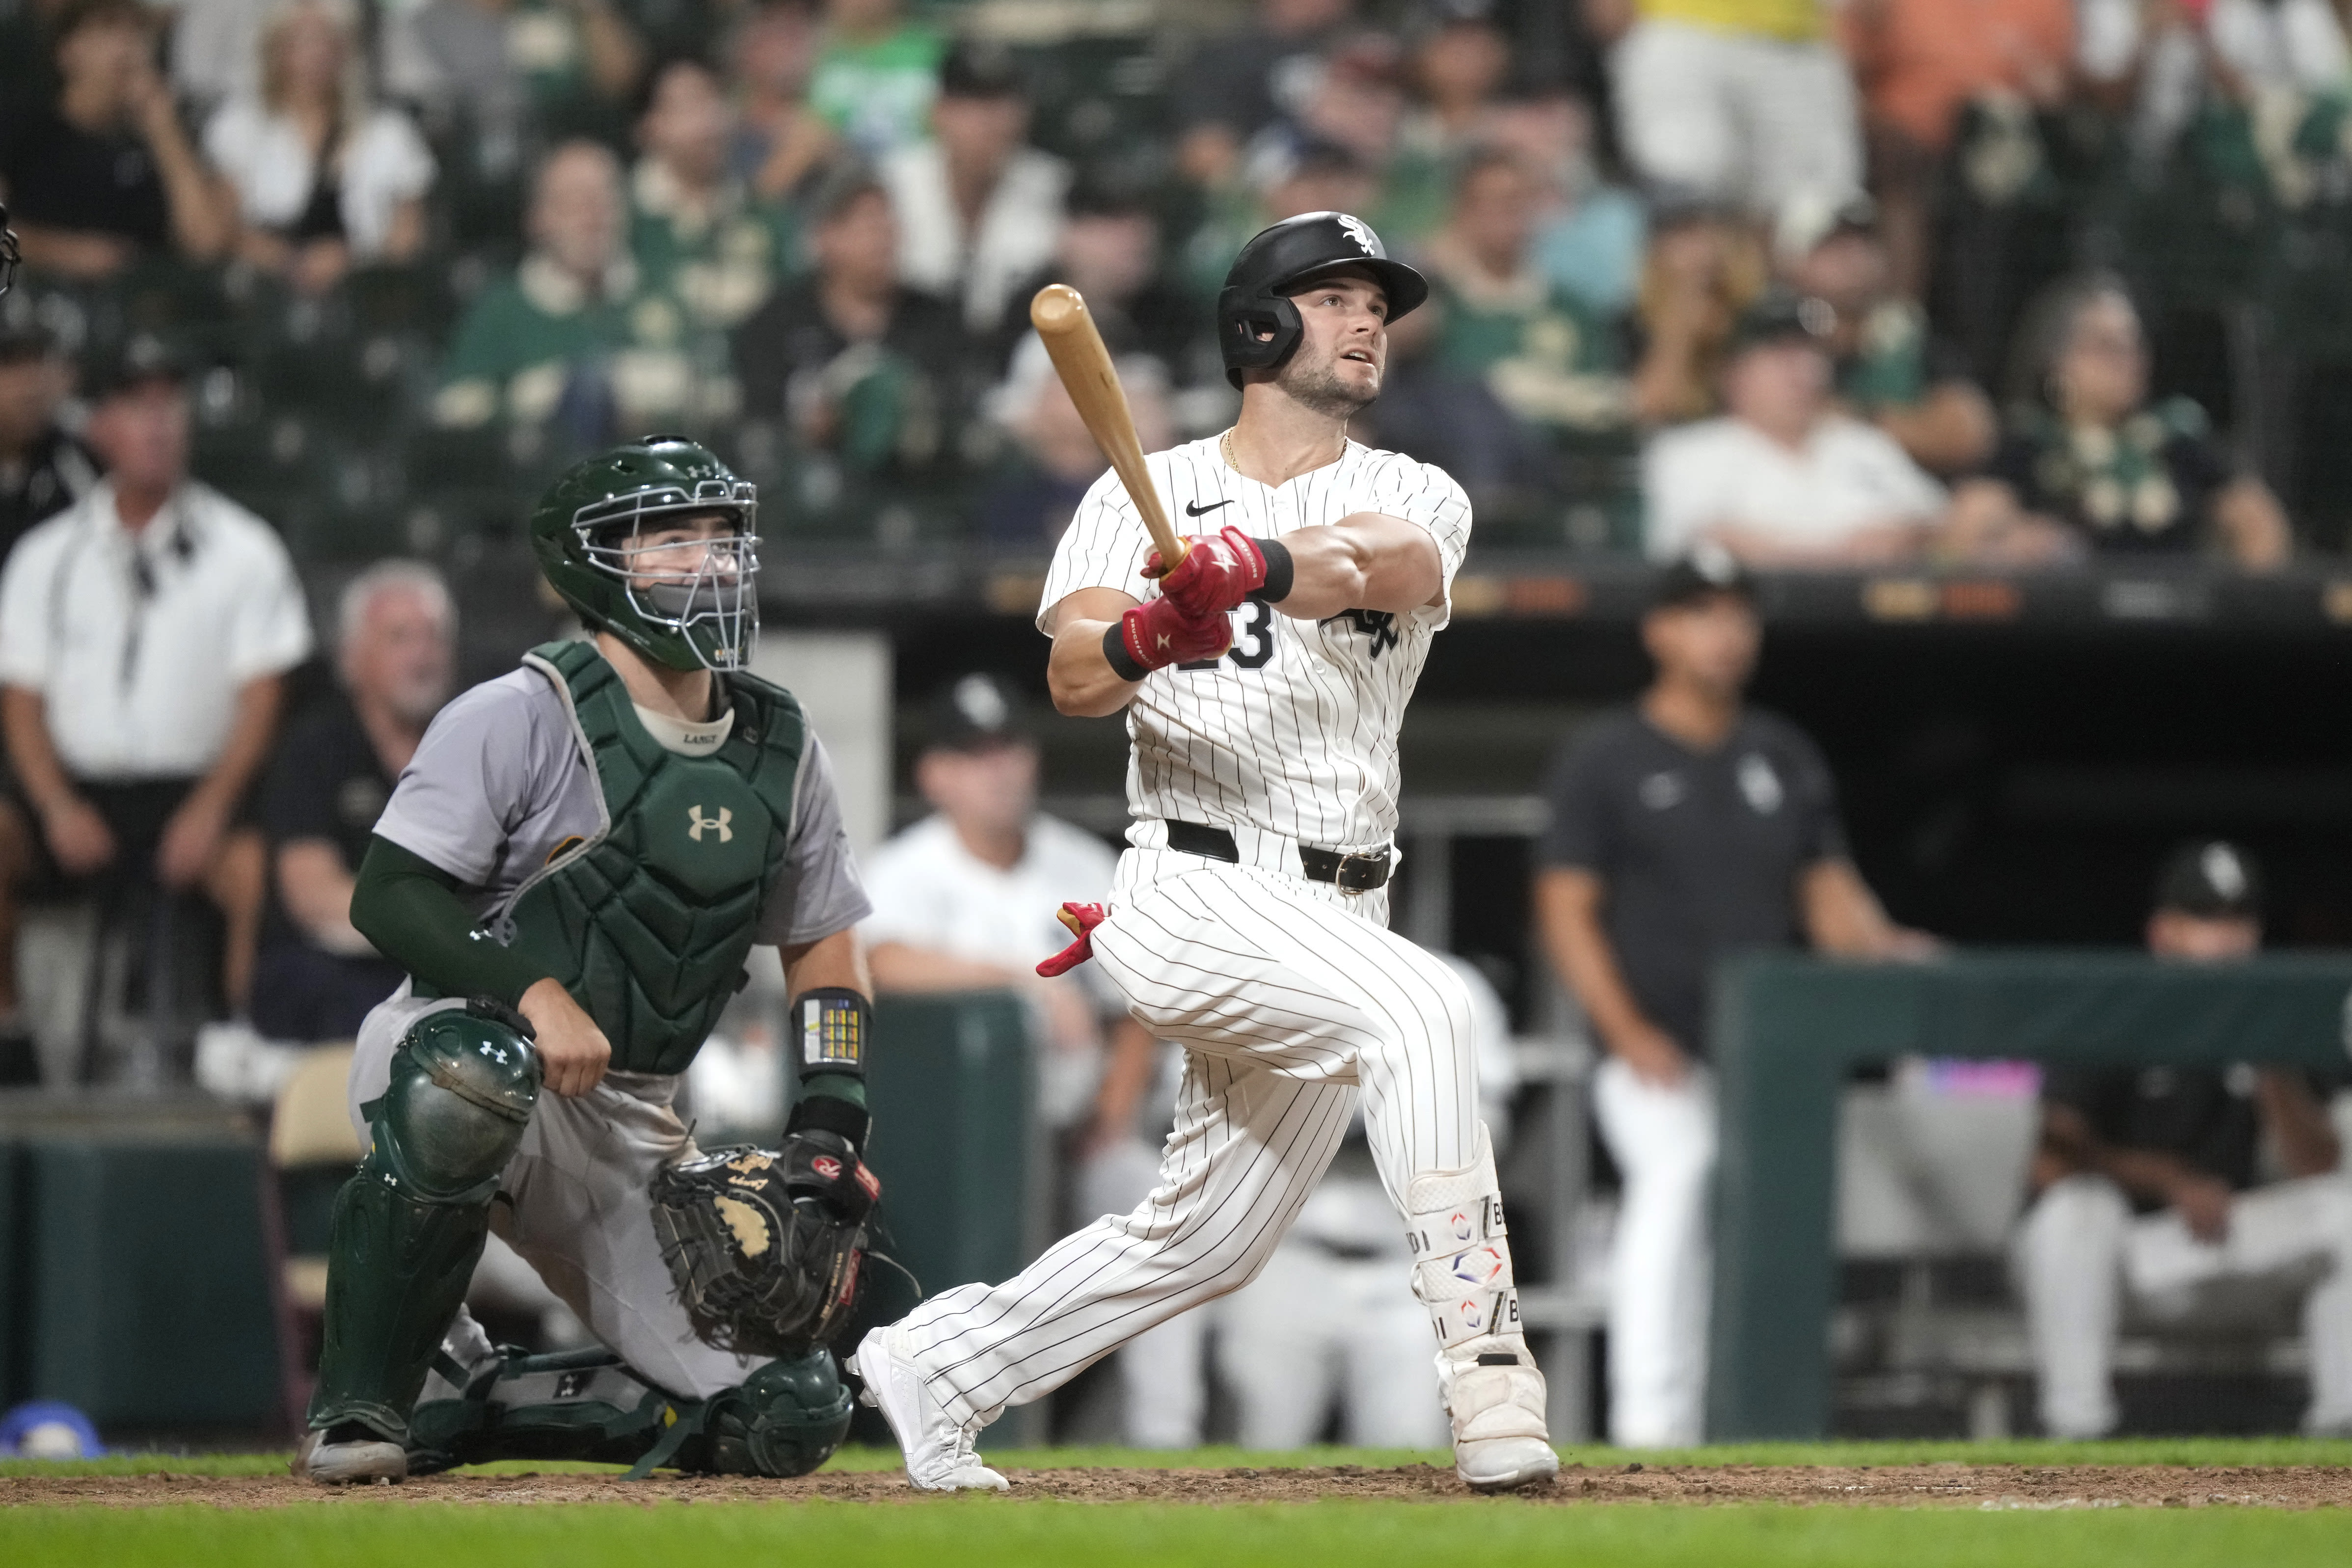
<point>1218,571</point>
<point>1161,634</point>
<point>1081,918</point>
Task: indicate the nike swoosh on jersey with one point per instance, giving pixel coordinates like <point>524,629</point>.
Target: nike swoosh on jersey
<point>1194,509</point>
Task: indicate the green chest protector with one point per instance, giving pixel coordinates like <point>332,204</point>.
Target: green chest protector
<point>648,923</point>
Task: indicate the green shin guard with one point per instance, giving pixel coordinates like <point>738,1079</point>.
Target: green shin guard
<point>785,1419</point>
<point>411,1224</point>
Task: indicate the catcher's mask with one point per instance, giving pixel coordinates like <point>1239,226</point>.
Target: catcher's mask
<point>681,603</point>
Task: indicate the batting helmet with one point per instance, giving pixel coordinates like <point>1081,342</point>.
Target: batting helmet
<point>1277,262</point>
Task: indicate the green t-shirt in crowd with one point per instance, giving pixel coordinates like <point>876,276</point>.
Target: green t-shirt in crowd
<point>879,94</point>
<point>1547,356</point>
<point>525,338</point>
<point>719,257</point>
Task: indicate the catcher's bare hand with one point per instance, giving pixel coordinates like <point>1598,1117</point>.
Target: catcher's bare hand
<point>573,1051</point>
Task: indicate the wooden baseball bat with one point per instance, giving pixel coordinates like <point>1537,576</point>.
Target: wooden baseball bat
<point>1075,344</point>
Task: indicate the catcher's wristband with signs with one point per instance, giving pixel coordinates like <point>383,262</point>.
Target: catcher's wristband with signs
<point>831,1027</point>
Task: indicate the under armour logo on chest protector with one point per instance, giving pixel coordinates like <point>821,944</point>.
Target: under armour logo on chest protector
<point>718,824</point>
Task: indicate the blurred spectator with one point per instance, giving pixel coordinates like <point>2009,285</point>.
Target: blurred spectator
<point>513,72</point>
<point>2150,1208</point>
<point>106,173</point>
<point>575,335</point>
<point>43,469</point>
<point>1702,270</point>
<point>1918,64</point>
<point>965,900</point>
<point>1108,250</point>
<point>848,357</point>
<point>215,48</point>
<point>1457,66</point>
<point>1684,828</point>
<point>1742,101</point>
<point>1783,480</point>
<point>1589,232</point>
<point>395,652</point>
<point>778,139</point>
<point>978,209</point>
<point>145,634</point>
<point>2086,455</point>
<point>2160,62</point>
<point>1056,459</point>
<point>1286,175</point>
<point>1545,355</point>
<point>322,177</point>
<point>1888,370</point>
<point>876,75</point>
<point>1235,86</point>
<point>694,228</point>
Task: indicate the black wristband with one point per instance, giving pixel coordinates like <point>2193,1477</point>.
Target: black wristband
<point>823,1114</point>
<point>830,1027</point>
<point>1279,570</point>
<point>1122,663</point>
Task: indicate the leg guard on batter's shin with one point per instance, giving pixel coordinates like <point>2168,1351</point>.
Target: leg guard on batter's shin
<point>409,1226</point>
<point>785,1419</point>
<point>1462,1272</point>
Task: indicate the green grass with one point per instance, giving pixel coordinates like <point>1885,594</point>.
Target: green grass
<point>982,1532</point>
<point>2020,1451</point>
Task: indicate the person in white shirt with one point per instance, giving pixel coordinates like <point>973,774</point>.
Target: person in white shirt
<point>323,178</point>
<point>979,211</point>
<point>1780,479</point>
<point>965,900</point>
<point>145,634</point>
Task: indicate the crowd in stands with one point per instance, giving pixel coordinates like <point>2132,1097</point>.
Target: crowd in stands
<point>1828,283</point>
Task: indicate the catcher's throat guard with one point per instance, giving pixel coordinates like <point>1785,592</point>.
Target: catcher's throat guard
<point>765,1246</point>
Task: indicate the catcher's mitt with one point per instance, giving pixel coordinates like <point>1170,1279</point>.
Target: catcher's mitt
<point>765,1246</point>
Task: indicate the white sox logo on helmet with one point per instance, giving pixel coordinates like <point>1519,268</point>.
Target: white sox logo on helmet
<point>1359,233</point>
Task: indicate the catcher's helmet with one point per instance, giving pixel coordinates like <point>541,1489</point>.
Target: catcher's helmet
<point>584,532</point>
<point>9,254</point>
<point>1276,262</point>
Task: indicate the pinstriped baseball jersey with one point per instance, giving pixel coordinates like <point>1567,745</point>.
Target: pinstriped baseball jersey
<point>1294,729</point>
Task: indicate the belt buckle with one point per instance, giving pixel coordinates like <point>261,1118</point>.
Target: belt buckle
<point>1372,866</point>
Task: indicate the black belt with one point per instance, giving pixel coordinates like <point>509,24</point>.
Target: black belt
<point>1357,873</point>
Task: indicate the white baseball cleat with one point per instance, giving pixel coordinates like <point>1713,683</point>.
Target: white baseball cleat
<point>940,1457</point>
<point>349,1454</point>
<point>1499,1441</point>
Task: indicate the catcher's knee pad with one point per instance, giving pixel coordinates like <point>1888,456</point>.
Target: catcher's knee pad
<point>785,1419</point>
<point>410,1225</point>
<point>462,1087</point>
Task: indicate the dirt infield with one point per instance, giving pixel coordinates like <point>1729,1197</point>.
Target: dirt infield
<point>1990,1486</point>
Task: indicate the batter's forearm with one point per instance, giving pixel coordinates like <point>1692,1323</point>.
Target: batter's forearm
<point>1079,674</point>
<point>1366,562</point>
<point>409,909</point>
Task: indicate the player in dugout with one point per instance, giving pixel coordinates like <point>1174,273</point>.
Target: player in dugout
<point>2152,1208</point>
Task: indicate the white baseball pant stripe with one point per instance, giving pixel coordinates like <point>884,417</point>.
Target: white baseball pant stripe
<point>1286,993</point>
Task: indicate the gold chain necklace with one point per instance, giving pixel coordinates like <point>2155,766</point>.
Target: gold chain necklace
<point>1225,449</point>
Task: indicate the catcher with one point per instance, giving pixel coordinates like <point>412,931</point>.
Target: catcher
<point>574,871</point>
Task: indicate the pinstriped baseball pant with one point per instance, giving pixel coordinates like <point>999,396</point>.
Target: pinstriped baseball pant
<point>1288,995</point>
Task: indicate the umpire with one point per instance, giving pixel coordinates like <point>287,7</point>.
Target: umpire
<point>1685,828</point>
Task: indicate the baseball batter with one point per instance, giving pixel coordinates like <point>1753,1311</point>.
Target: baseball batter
<point>1264,680</point>
<point>574,871</point>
